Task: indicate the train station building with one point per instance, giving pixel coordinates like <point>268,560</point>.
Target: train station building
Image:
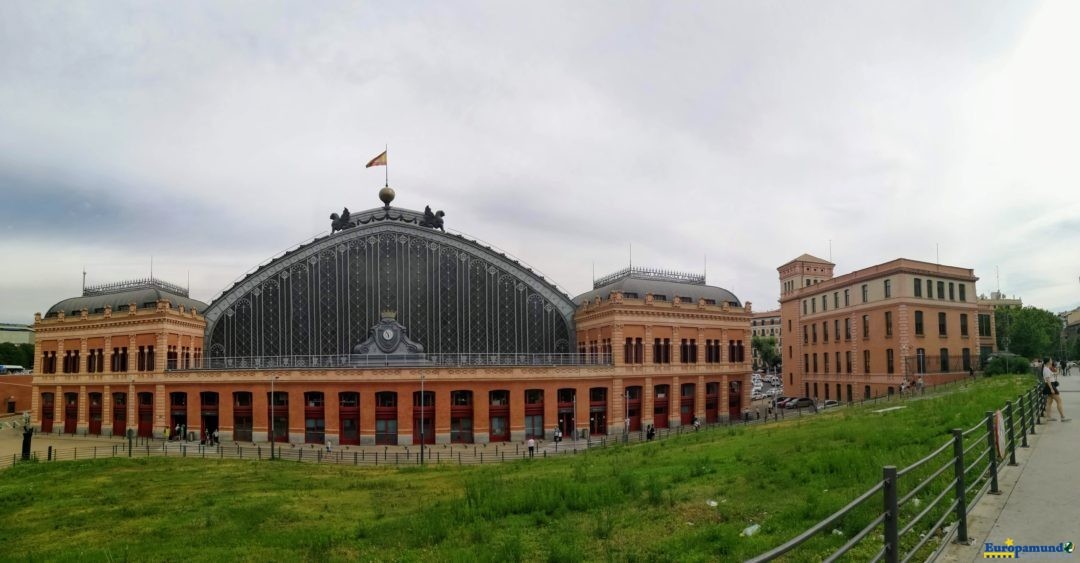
<point>390,330</point>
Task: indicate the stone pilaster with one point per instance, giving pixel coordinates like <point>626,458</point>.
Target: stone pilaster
<point>84,362</point>
<point>699,398</point>
<point>106,411</point>
<point>161,408</point>
<point>648,395</point>
<point>647,343</point>
<point>82,425</point>
<point>675,403</point>
<point>58,409</point>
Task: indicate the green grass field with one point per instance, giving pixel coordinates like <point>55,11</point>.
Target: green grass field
<point>646,502</point>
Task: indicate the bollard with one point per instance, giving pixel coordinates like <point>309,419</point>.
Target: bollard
<point>50,454</point>
<point>990,434</point>
<point>1012,432</point>
<point>961,493</point>
<point>258,451</point>
<point>892,515</point>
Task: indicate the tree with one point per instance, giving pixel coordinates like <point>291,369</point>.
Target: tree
<point>10,354</point>
<point>28,355</point>
<point>1029,332</point>
<point>765,346</point>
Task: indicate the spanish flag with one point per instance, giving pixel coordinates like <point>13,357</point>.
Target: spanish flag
<point>377,161</point>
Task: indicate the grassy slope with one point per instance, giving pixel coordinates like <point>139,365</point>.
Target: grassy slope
<point>646,502</point>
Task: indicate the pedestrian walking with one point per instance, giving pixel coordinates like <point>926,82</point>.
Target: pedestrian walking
<point>531,443</point>
<point>166,433</point>
<point>1050,389</point>
<point>215,436</point>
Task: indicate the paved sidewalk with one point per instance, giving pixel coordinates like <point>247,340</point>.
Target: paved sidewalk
<point>1038,504</point>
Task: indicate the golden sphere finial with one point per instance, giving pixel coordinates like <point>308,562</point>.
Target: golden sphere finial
<point>386,195</point>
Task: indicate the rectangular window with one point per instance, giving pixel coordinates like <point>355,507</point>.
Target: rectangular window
<point>865,293</point>
<point>806,363</point>
<point>848,354</point>
<point>967,359</point>
<point>945,360</point>
<point>825,360</point>
<point>824,331</point>
<point>847,297</point>
<point>918,323</point>
<point>836,300</point>
<point>866,361</point>
<point>847,328</point>
<point>836,329</point>
<point>805,335</point>
<point>888,288</point>
<point>920,360</point>
<point>941,328</point>
<point>866,326</point>
<point>952,296</point>
<point>888,323</point>
<point>889,361</point>
<point>984,325</point>
<point>813,305</point>
<point>963,292</point>
<point>824,302</point>
<point>941,290</point>
<point>963,324</point>
<point>804,306</point>
<point>929,289</point>
<point>838,362</point>
<point>813,330</point>
<point>815,363</point>
<point>918,287</point>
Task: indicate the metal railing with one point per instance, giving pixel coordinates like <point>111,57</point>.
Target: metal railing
<point>387,360</point>
<point>954,484</point>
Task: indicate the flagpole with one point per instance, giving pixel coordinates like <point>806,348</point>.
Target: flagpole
<point>386,151</point>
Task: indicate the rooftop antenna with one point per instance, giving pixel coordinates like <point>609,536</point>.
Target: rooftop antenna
<point>706,274</point>
<point>84,277</point>
<point>631,255</point>
<point>151,267</point>
<point>189,281</point>
<point>997,274</point>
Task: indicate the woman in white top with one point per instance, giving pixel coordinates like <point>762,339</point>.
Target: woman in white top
<point>1053,396</point>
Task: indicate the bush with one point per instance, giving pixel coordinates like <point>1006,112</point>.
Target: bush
<point>1000,365</point>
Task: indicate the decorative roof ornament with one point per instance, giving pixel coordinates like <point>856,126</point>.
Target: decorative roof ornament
<point>340,223</point>
<point>117,287</point>
<point>650,274</point>
<point>433,220</point>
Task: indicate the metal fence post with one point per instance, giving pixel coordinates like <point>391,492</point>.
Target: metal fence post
<point>1023,422</point>
<point>1012,432</point>
<point>892,515</point>
<point>991,440</point>
<point>961,493</point>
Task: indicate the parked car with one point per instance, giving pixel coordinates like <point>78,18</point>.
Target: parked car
<point>830,404</point>
<point>799,402</point>
<point>779,401</point>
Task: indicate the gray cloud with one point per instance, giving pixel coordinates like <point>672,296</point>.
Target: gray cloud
<point>215,135</point>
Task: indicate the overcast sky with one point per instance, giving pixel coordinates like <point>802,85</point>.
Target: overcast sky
<point>214,135</point>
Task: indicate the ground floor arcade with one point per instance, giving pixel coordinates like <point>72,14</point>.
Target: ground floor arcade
<point>410,406</point>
